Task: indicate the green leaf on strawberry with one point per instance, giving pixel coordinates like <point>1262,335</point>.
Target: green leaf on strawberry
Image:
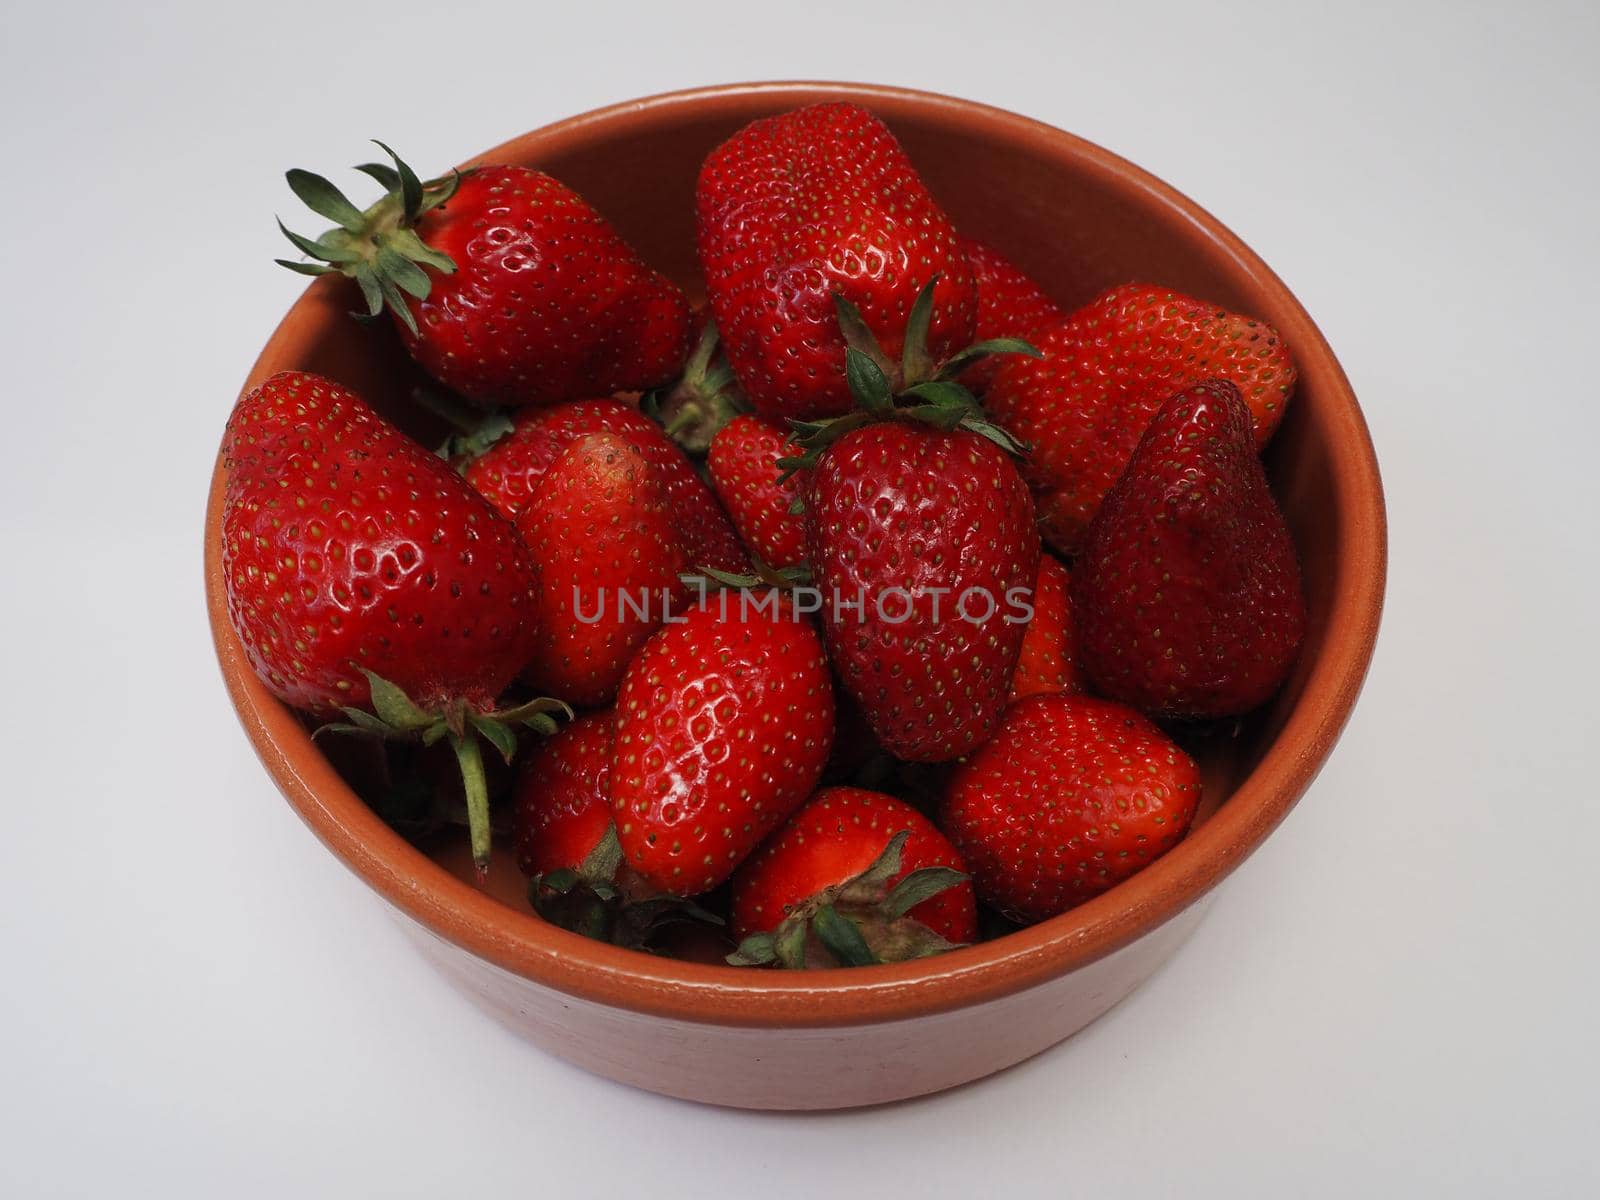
<point>704,399</point>
<point>916,389</point>
<point>376,246</point>
<point>396,717</point>
<point>860,922</point>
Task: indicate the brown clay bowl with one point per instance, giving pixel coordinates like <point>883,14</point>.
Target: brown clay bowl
<point>1080,220</point>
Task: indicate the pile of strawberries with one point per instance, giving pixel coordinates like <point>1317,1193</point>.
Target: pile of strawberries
<point>896,649</point>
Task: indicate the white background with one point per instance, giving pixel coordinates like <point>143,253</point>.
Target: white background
<point>1398,991</point>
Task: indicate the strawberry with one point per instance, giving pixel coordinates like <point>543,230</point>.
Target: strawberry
<point>933,533</point>
<point>560,803</point>
<point>920,537</point>
<point>1009,305</point>
<point>805,205</point>
<point>1188,592</point>
<point>744,472</point>
<point>1073,795</point>
<point>854,877</point>
<point>1048,663</point>
<point>1105,370</point>
<point>724,721</point>
<point>604,539</point>
<point>568,846</point>
<point>505,285</point>
<point>361,572</point>
<point>510,469</point>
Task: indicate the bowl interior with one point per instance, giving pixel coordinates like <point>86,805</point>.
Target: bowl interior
<point>1080,221</point>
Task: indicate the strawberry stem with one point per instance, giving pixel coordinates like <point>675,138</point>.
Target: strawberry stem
<point>703,400</point>
<point>376,246</point>
<point>396,716</point>
<point>917,388</point>
<point>470,758</point>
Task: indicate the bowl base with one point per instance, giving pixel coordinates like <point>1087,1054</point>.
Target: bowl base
<point>813,1069</point>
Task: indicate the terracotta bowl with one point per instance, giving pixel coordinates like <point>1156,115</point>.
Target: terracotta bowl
<point>1080,220</point>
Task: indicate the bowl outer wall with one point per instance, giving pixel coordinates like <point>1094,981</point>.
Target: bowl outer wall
<point>522,945</point>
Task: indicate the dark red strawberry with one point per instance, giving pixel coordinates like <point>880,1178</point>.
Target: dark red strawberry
<point>511,469</point>
<point>1009,305</point>
<point>561,809</point>
<point>1048,663</point>
<point>608,551</point>
<point>347,548</point>
<point>921,538</point>
<point>796,208</point>
<point>505,285</point>
<point>568,846</point>
<point>1072,795</point>
<point>723,726</point>
<point>744,471</point>
<point>928,539</point>
<point>855,877</point>
<point>1105,370</point>
<point>364,576</point>
<point>1188,592</point>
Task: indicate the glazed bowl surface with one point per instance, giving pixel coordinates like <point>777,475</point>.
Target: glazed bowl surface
<point>1080,220</point>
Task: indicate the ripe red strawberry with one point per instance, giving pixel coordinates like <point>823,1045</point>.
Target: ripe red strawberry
<point>604,539</point>
<point>1009,305</point>
<point>1048,663</point>
<point>361,571</point>
<point>1188,592</point>
<point>797,207</point>
<point>510,470</point>
<point>933,532</point>
<point>723,726</point>
<point>568,846</point>
<point>854,877</point>
<point>1105,370</point>
<point>348,547</point>
<point>505,285</point>
<point>561,810</point>
<point>1073,795</point>
<point>744,471</point>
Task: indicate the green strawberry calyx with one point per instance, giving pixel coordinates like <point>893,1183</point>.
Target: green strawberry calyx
<point>859,922</point>
<point>704,399</point>
<point>395,716</point>
<point>377,246</point>
<point>473,430</point>
<point>916,388</point>
<point>600,899</point>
